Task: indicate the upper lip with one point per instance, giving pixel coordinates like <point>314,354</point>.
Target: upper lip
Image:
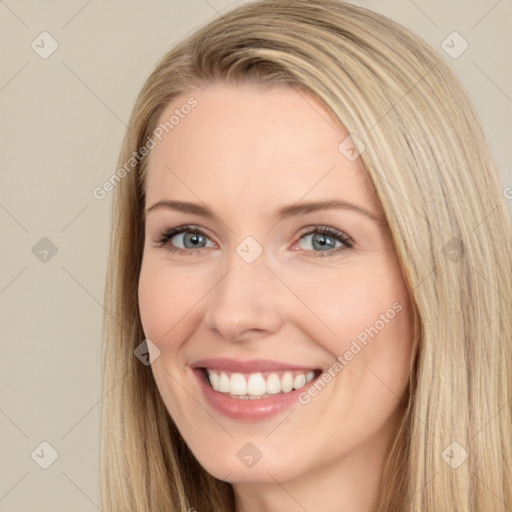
<point>248,365</point>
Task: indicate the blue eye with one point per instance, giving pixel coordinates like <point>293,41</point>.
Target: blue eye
<point>191,240</point>
<point>319,240</point>
<point>326,240</point>
<point>185,237</point>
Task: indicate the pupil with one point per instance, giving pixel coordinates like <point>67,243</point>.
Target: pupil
<point>193,238</point>
<point>325,242</point>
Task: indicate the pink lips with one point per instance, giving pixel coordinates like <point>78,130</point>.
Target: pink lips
<point>240,409</point>
<point>249,366</point>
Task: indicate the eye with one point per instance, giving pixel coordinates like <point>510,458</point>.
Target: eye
<point>325,241</point>
<point>319,240</point>
<point>184,238</point>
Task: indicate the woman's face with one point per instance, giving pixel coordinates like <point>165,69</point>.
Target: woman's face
<point>281,269</point>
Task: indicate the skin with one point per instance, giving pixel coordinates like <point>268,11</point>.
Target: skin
<point>245,152</point>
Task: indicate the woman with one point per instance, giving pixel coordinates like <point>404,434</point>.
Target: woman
<point>309,289</point>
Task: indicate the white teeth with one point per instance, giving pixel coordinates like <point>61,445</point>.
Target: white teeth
<point>238,384</point>
<point>254,385</point>
<point>287,382</point>
<point>215,381</point>
<point>223,383</point>
<point>273,384</point>
<point>299,381</point>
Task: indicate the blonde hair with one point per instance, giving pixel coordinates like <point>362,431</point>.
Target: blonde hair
<point>433,172</point>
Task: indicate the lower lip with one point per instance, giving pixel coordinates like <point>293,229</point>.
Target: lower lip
<point>247,409</point>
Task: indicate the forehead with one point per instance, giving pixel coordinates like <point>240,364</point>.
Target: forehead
<point>253,147</point>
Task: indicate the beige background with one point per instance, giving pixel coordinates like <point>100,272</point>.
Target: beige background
<point>62,122</point>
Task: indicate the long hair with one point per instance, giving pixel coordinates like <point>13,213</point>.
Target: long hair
<point>432,170</point>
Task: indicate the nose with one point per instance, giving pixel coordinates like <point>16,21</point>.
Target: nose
<point>247,303</point>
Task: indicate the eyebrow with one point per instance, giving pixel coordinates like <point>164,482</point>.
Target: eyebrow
<point>285,212</point>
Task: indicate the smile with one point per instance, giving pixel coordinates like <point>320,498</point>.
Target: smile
<point>259,385</point>
<point>251,390</point>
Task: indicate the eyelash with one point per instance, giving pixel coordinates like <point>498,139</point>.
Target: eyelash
<point>348,243</point>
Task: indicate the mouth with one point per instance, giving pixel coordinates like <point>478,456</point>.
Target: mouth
<point>257,385</point>
<point>251,390</point>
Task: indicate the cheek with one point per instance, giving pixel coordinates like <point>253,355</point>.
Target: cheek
<point>167,296</point>
<point>357,304</point>
<point>368,313</point>
<point>154,301</point>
